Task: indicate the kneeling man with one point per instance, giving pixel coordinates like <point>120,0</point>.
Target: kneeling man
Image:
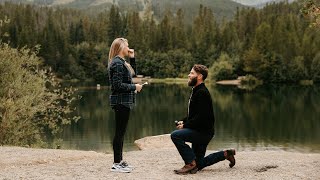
<point>198,127</point>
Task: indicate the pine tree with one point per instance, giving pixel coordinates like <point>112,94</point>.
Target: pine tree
<point>135,33</point>
<point>262,38</point>
<point>115,24</point>
<point>79,32</point>
<point>252,60</point>
<point>179,35</point>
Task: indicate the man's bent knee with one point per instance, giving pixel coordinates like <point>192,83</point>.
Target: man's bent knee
<point>174,134</point>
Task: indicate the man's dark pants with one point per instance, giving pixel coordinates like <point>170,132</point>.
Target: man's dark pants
<point>199,142</point>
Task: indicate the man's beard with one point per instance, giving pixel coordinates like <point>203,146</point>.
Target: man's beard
<point>193,81</point>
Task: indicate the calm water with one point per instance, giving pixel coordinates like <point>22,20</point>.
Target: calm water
<point>269,117</point>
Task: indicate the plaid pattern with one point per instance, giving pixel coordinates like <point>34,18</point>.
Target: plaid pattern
<point>122,86</point>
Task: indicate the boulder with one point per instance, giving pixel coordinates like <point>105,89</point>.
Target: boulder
<point>155,142</point>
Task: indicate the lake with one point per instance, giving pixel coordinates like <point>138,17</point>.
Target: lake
<point>273,117</point>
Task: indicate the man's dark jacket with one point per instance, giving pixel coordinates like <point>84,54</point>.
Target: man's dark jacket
<point>200,116</point>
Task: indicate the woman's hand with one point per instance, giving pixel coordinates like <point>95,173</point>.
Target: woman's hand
<point>138,87</point>
<point>131,53</point>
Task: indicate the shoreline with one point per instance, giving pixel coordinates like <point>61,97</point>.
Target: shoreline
<point>235,82</point>
<point>160,80</point>
<point>157,160</point>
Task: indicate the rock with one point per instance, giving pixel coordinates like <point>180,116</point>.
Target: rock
<point>155,142</point>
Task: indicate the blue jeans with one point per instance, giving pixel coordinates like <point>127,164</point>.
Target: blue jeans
<point>199,142</point>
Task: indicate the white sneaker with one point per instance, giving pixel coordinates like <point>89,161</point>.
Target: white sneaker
<point>125,164</point>
<point>118,167</point>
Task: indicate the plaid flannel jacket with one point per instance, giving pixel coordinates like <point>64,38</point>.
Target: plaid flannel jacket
<point>122,86</point>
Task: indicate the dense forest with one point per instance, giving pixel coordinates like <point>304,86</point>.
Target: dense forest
<point>275,44</point>
<point>221,8</point>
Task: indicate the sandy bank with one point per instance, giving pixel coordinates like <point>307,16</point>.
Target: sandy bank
<point>229,82</point>
<point>151,163</point>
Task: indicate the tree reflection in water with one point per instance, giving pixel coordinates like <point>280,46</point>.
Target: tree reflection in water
<point>273,116</point>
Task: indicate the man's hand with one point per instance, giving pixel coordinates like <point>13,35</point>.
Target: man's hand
<point>180,125</point>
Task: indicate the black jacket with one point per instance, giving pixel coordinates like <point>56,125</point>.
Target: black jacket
<point>200,116</point>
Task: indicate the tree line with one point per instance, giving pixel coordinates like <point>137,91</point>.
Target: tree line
<point>274,44</point>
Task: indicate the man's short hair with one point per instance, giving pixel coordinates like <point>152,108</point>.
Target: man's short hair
<point>202,69</point>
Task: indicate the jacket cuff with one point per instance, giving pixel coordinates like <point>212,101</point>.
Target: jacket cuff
<point>133,87</point>
<point>186,125</point>
<point>132,60</point>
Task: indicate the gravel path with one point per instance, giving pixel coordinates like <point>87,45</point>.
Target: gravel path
<point>157,163</point>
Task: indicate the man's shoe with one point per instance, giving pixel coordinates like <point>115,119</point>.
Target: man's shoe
<point>193,171</point>
<point>229,155</point>
<point>188,168</point>
<point>117,167</point>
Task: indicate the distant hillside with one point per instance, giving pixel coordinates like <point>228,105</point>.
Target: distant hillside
<point>258,3</point>
<point>221,8</point>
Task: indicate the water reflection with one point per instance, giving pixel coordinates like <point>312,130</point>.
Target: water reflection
<point>285,117</point>
<point>270,117</point>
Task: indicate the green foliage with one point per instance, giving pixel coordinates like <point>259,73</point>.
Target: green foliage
<point>269,42</point>
<point>311,9</point>
<point>204,34</point>
<point>221,8</point>
<point>175,63</point>
<point>252,59</point>
<point>115,24</point>
<point>92,60</point>
<point>249,79</point>
<point>262,37</point>
<point>31,103</point>
<point>249,82</point>
<point>222,69</point>
<point>297,69</point>
<point>315,68</point>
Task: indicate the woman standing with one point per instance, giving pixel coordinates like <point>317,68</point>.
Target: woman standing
<point>122,98</point>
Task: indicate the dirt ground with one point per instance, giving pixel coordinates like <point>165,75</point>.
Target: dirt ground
<point>152,163</point>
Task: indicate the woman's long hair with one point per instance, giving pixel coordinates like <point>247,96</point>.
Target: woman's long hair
<point>116,47</point>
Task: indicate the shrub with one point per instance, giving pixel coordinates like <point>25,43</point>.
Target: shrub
<point>315,68</point>
<point>222,69</point>
<point>32,104</point>
<point>250,80</point>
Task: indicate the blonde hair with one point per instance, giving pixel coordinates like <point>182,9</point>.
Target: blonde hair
<point>116,47</point>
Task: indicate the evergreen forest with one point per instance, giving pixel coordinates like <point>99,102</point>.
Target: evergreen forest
<point>274,44</point>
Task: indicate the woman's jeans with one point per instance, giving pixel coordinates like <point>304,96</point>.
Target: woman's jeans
<point>122,117</point>
<point>199,142</point>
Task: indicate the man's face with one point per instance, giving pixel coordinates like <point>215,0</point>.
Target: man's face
<point>193,78</point>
